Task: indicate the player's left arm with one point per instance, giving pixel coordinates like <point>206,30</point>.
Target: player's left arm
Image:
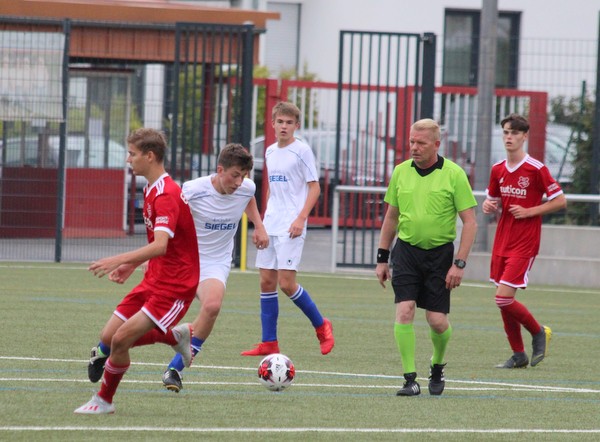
<point>557,203</point>
<point>467,238</point>
<point>259,237</point>
<point>120,267</point>
<point>314,191</point>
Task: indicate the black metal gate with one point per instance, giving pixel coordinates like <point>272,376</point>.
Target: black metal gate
<point>212,96</point>
<point>386,81</point>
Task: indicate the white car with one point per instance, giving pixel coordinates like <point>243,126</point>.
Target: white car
<point>559,151</point>
<point>33,151</point>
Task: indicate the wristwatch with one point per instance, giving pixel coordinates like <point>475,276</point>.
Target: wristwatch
<point>461,264</point>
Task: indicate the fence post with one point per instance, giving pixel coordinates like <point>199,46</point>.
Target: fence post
<point>247,76</point>
<point>271,99</point>
<point>60,197</point>
<point>594,173</point>
<point>335,224</point>
<point>428,79</point>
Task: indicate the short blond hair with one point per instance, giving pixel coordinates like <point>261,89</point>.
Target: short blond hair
<point>430,125</point>
<point>149,140</point>
<point>286,109</point>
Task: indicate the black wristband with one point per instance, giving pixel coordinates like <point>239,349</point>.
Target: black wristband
<point>383,256</point>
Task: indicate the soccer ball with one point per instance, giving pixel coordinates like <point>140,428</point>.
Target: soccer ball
<point>276,372</point>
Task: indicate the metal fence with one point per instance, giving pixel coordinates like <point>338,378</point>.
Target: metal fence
<point>354,246</point>
<point>65,113</point>
<point>97,207</point>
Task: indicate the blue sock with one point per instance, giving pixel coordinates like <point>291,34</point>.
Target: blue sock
<point>177,361</point>
<point>305,303</point>
<point>269,312</point>
<point>104,349</point>
<point>196,345</point>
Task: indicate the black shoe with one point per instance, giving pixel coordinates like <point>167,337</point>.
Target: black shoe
<point>96,365</point>
<point>540,345</point>
<point>517,360</point>
<point>437,382</point>
<point>172,380</point>
<point>411,387</point>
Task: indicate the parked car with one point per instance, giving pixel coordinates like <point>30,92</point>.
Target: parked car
<point>359,162</point>
<point>362,162</point>
<point>559,151</point>
<point>33,151</point>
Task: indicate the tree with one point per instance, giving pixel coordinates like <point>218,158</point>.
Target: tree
<point>578,112</point>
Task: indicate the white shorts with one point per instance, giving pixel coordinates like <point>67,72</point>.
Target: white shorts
<point>283,253</point>
<point>214,270</point>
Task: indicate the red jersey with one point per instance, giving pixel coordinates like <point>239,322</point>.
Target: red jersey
<point>523,185</point>
<point>166,209</point>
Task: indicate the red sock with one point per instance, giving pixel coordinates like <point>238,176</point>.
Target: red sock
<point>154,336</point>
<point>112,376</point>
<point>513,332</point>
<point>520,313</point>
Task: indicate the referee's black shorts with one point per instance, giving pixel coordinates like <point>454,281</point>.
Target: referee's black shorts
<point>420,275</point>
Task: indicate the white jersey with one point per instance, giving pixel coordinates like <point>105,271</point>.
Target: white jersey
<point>290,169</point>
<point>216,217</point>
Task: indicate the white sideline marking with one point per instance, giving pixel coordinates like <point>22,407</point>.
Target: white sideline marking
<point>503,387</point>
<point>308,430</point>
<point>476,385</point>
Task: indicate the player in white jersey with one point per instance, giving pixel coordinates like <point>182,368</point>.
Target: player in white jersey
<point>217,203</point>
<point>293,191</point>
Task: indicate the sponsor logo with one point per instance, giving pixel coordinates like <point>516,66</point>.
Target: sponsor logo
<point>513,191</point>
<point>162,220</point>
<point>220,226</point>
<point>277,178</point>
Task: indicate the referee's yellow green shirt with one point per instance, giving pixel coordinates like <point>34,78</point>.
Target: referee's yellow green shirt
<point>429,204</point>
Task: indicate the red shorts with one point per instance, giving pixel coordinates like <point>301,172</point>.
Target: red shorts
<point>510,271</point>
<point>165,311</point>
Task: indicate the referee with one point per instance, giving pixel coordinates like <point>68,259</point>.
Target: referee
<point>424,197</point>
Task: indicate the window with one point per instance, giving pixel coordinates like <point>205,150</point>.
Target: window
<point>283,38</point>
<point>461,48</point>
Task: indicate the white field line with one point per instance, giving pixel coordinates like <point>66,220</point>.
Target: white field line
<point>308,430</point>
<point>304,384</point>
<point>470,385</point>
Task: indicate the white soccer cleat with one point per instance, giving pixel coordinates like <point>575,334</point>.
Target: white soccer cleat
<point>183,334</point>
<point>96,405</point>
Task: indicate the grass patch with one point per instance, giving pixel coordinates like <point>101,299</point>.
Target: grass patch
<point>52,315</point>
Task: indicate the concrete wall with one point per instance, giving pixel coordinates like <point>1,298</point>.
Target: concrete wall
<point>569,256</point>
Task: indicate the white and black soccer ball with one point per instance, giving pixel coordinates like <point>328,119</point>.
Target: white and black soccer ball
<point>276,372</point>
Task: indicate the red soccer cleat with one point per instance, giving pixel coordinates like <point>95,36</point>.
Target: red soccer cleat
<point>325,336</point>
<point>263,349</point>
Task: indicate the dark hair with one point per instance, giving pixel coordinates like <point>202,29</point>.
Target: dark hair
<point>149,140</point>
<point>236,155</point>
<point>287,109</point>
<point>517,122</point>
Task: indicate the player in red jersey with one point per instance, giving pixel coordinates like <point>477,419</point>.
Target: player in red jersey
<point>517,185</point>
<point>150,312</point>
